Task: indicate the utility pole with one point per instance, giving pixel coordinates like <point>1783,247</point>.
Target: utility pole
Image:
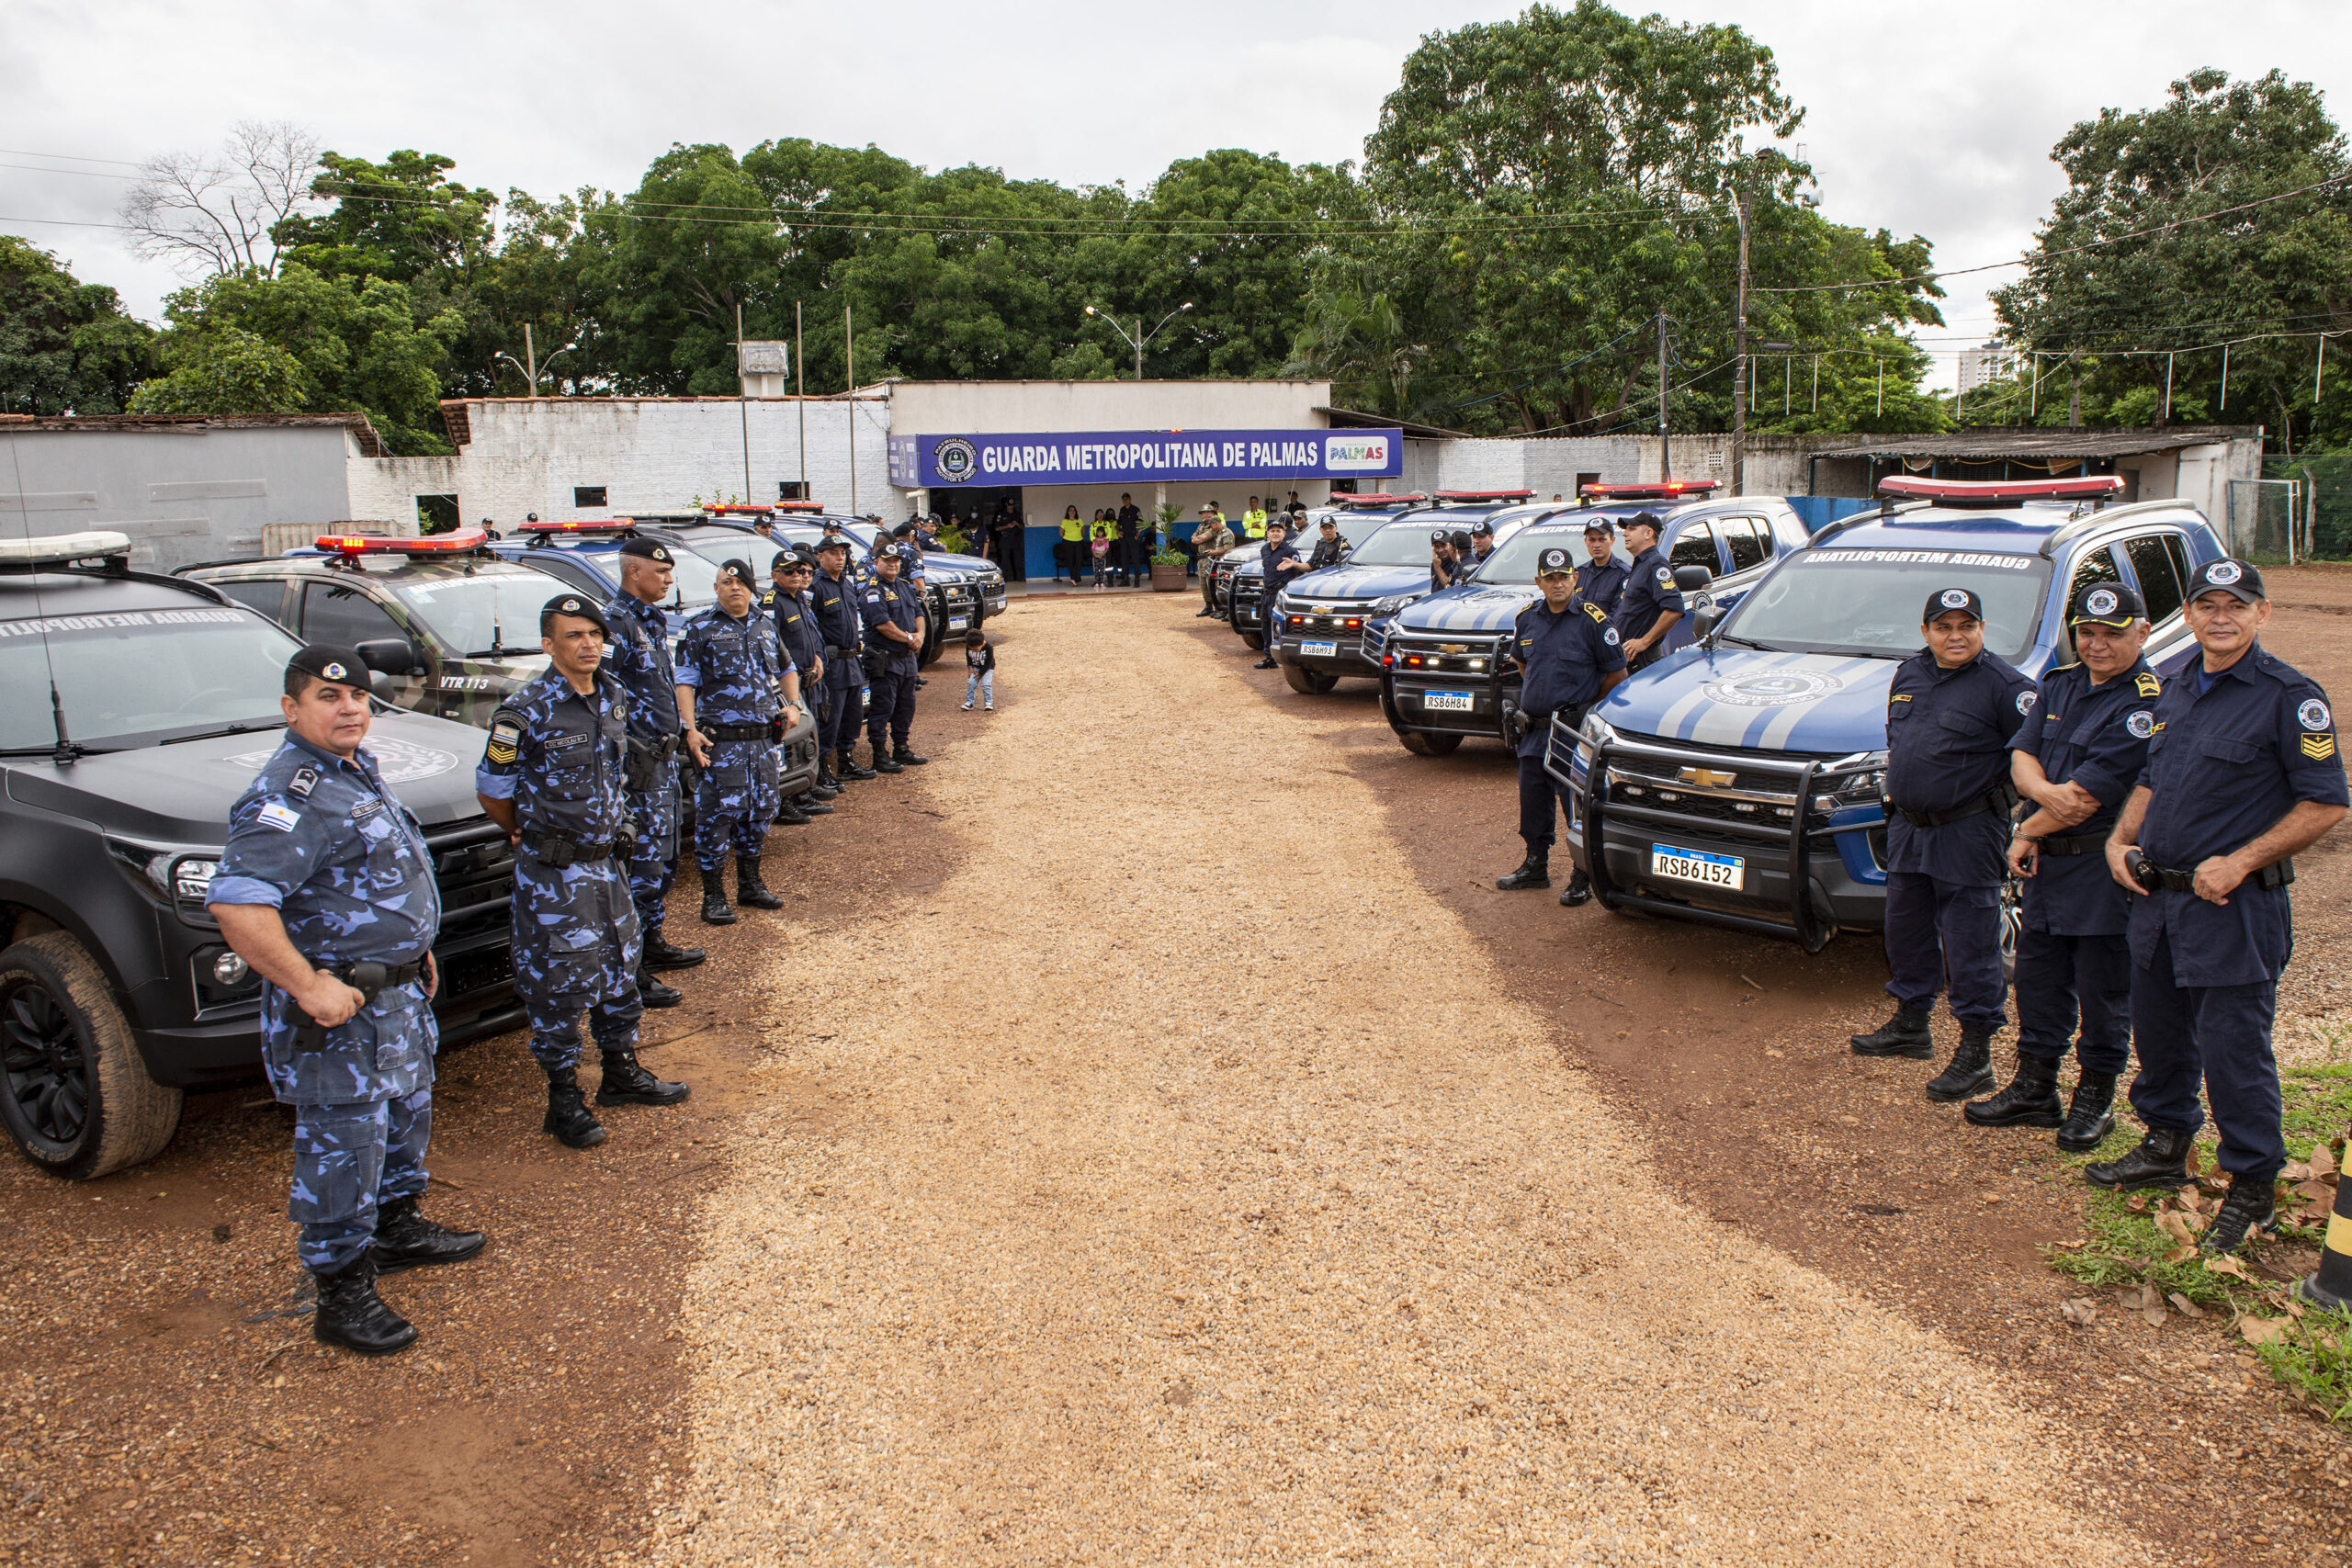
<point>801,394</point>
<point>1739,352</point>
<point>1665,469</point>
<point>849,398</point>
<point>743,402</point>
<point>1139,349</point>
<point>531,360</point>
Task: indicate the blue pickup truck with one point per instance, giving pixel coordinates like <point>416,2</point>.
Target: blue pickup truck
<point>1738,783</point>
<point>1443,679</point>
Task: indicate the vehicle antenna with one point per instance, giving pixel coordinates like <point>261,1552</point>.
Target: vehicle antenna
<point>66,751</point>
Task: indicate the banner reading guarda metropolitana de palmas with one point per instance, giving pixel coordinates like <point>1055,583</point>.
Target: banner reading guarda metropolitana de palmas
<point>1142,457</point>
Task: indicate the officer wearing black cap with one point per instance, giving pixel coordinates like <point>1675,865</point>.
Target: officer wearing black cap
<point>791,609</point>
<point>2243,771</point>
<point>892,612</point>
<point>1482,544</point>
<point>1600,578</point>
<point>640,658</point>
<point>2075,757</point>
<point>1650,602</point>
<point>1446,566</point>
<point>1951,712</point>
<point>1330,546</point>
<point>841,698</point>
<point>1568,658</point>
<point>1278,558</point>
<point>731,670</point>
<point>552,776</point>
<point>326,889</point>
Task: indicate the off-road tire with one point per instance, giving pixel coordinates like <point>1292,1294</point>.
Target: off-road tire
<point>128,1117</point>
<point>1312,682</point>
<point>1421,744</point>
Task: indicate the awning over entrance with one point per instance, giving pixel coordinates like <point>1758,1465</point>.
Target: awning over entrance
<point>1143,456</point>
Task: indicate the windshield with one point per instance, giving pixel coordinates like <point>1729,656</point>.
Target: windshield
<point>1513,561</point>
<point>1404,541</point>
<point>1869,601</point>
<point>486,612</point>
<point>138,677</point>
<point>748,548</point>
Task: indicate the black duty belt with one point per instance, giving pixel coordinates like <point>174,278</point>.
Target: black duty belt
<point>558,851</point>
<point>394,974</point>
<point>1980,805</point>
<point>839,653</point>
<point>761,731</point>
<point>2277,874</point>
<point>2080,844</point>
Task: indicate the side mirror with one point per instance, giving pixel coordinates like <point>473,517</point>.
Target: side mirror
<point>1704,624</point>
<point>391,656</point>
<point>1691,578</point>
<point>381,684</point>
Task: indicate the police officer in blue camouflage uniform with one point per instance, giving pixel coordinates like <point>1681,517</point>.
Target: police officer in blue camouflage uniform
<point>1951,712</point>
<point>1601,580</point>
<point>791,609</point>
<point>326,889</point>
<point>1569,658</point>
<point>552,776</point>
<point>2076,757</point>
<point>892,611</point>
<point>2243,771</point>
<point>638,658</point>
<point>729,669</point>
<point>841,711</point>
<point>1650,604</point>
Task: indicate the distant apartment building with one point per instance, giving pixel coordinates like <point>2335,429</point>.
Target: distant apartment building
<point>1987,362</point>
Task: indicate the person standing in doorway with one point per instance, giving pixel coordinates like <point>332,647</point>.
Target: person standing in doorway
<point>1072,546</point>
<point>1011,543</point>
<point>1130,539</point>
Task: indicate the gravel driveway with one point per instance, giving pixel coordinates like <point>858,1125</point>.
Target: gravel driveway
<point>1078,1251</point>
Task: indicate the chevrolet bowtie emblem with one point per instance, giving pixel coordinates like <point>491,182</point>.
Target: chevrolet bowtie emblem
<point>1707,778</point>
<point>1453,647</point>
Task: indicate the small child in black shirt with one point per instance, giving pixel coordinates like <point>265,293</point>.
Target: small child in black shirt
<point>980,671</point>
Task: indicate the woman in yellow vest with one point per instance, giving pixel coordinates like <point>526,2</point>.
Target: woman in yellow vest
<point>1254,521</point>
<point>1073,544</point>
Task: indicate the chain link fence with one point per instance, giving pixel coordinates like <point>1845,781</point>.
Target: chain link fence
<point>2323,505</point>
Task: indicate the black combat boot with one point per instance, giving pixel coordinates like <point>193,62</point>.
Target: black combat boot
<point>1535,871</point>
<point>2089,1117</point>
<point>406,1239</point>
<point>660,955</point>
<point>1577,891</point>
<point>790,816</point>
<point>827,788</point>
<point>883,764</point>
<point>2252,1205</point>
<point>809,804</point>
<point>352,1315</point>
<point>1971,1071</point>
<point>652,993</point>
<point>2159,1160</point>
<point>849,769</point>
<point>627,1083</point>
<point>1905,1034</point>
<point>2030,1100</point>
<point>569,1118</point>
<point>750,891</point>
<point>906,759</point>
<point>715,911</point>
<point>1265,663</point>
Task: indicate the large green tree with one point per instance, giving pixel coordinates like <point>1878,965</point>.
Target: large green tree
<point>2180,230</point>
<point>65,346</point>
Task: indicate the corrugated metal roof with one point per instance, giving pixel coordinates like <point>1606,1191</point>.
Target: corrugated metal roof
<point>370,444</point>
<point>1992,445</point>
<point>1356,419</point>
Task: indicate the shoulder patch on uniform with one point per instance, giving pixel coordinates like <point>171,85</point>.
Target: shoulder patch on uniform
<point>2026,701</point>
<point>1595,612</point>
<point>279,817</point>
<point>1664,578</point>
<point>2313,714</point>
<point>2141,724</point>
<point>2147,686</point>
<point>1609,635</point>
<point>305,780</point>
<point>874,598</point>
<point>505,740</point>
<point>2319,748</point>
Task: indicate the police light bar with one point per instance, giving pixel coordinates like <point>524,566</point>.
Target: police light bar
<point>384,544</point>
<point>583,526</point>
<point>799,506</point>
<point>57,550</point>
<point>1382,500</point>
<point>1663,489</point>
<point>736,509</point>
<point>2001,493</point>
<point>1485,494</point>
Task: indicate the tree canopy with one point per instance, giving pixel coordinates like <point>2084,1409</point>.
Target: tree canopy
<point>65,346</point>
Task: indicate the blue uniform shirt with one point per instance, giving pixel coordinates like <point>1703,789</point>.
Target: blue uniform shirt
<point>796,627</point>
<point>835,601</point>
<point>1562,659</point>
<point>640,658</point>
<point>1948,746</point>
<point>1602,585</point>
<point>557,755</point>
<point>345,863</point>
<point>1649,593</point>
<point>2223,766</point>
<point>891,604</point>
<point>732,664</point>
<point>2095,736</point>
<point>1269,558</point>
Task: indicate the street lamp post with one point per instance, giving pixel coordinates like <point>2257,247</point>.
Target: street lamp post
<point>1141,337</point>
<point>531,370</point>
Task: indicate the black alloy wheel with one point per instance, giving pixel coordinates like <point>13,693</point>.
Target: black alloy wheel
<point>46,1069</point>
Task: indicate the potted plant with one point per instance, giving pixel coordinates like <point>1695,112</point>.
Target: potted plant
<point>1167,571</point>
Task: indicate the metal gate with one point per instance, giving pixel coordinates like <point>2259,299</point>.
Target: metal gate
<point>2267,520</point>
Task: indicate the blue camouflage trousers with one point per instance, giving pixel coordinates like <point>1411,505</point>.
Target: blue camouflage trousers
<point>734,801</point>
<point>653,859</point>
<point>349,1160</point>
<point>576,947</point>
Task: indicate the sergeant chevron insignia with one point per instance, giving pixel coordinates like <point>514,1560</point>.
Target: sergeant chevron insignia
<point>2319,748</point>
<point>2148,685</point>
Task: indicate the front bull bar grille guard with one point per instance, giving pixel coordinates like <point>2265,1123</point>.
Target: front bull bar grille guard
<point>1494,673</point>
<point>1811,777</point>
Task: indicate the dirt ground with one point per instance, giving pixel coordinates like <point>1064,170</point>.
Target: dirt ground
<point>1160,1142</point>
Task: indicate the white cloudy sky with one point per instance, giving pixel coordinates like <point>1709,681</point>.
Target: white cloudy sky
<point>1929,118</point>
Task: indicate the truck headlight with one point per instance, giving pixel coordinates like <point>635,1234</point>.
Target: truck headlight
<point>228,969</point>
<point>1393,603</point>
<point>1597,729</point>
<point>1866,788</point>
